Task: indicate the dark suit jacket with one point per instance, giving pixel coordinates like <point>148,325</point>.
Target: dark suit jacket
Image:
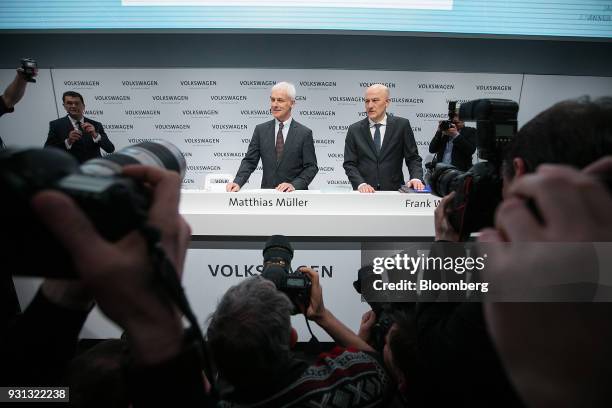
<point>85,148</point>
<point>383,172</point>
<point>298,164</point>
<point>464,147</point>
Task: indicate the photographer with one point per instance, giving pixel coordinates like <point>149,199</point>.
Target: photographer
<point>545,375</point>
<point>454,143</point>
<point>250,335</point>
<point>13,93</point>
<point>453,338</point>
<point>16,89</point>
<point>164,364</point>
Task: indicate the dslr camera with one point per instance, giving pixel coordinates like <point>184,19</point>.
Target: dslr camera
<point>114,204</point>
<point>452,112</point>
<point>478,191</point>
<point>277,256</point>
<point>382,310</point>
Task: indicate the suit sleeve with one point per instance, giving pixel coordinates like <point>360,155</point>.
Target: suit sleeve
<point>411,154</point>
<point>436,143</point>
<point>351,160</point>
<point>54,138</point>
<point>250,160</point>
<point>104,142</point>
<point>310,167</point>
<point>465,142</point>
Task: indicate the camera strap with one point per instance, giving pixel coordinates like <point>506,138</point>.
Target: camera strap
<point>313,347</point>
<point>164,274</point>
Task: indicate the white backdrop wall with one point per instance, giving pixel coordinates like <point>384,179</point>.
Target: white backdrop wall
<point>210,114</point>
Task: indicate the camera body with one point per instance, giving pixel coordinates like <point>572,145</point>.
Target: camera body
<point>114,204</point>
<point>277,254</point>
<point>452,113</point>
<point>445,125</point>
<point>478,191</point>
<point>384,308</point>
<point>29,68</point>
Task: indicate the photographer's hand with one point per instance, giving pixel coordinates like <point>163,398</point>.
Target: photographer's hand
<point>452,132</point>
<point>574,208</point>
<point>444,230</point>
<point>589,206</point>
<point>323,317</point>
<point>16,89</point>
<point>70,294</point>
<point>316,309</point>
<point>367,321</point>
<point>119,274</point>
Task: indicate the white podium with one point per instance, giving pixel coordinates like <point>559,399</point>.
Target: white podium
<point>310,213</point>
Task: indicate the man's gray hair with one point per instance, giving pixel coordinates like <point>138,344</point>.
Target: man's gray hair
<point>249,333</point>
<point>286,87</point>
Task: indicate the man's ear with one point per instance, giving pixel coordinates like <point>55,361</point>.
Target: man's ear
<point>518,165</point>
<point>293,338</point>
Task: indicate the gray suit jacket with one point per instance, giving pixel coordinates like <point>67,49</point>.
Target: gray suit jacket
<point>383,171</point>
<point>298,164</point>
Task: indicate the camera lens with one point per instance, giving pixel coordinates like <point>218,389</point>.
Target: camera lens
<point>159,153</point>
<point>443,179</point>
<point>445,125</point>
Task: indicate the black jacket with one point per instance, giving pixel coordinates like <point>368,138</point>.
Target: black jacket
<point>383,171</point>
<point>83,149</point>
<point>464,147</point>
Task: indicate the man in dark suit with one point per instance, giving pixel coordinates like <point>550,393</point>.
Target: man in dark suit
<point>375,146</point>
<point>454,146</point>
<point>285,147</point>
<point>76,134</point>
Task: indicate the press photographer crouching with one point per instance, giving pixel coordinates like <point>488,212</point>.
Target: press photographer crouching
<point>251,338</point>
<point>453,342</point>
<point>132,269</point>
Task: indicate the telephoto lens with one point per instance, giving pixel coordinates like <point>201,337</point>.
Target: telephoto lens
<point>115,204</point>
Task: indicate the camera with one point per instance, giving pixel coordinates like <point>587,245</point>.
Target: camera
<point>478,191</point>
<point>384,304</point>
<point>452,113</point>
<point>114,204</point>
<point>277,256</point>
<point>29,67</point>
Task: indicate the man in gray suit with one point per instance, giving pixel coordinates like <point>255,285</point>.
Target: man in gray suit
<point>285,147</point>
<point>375,146</point>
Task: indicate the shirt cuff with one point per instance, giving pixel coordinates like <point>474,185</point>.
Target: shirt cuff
<point>68,145</point>
<point>97,138</point>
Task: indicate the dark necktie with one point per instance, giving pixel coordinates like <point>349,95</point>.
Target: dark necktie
<point>280,143</point>
<point>377,137</point>
<point>79,127</point>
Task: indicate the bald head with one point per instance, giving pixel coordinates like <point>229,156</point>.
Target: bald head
<point>376,102</point>
<point>379,88</point>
